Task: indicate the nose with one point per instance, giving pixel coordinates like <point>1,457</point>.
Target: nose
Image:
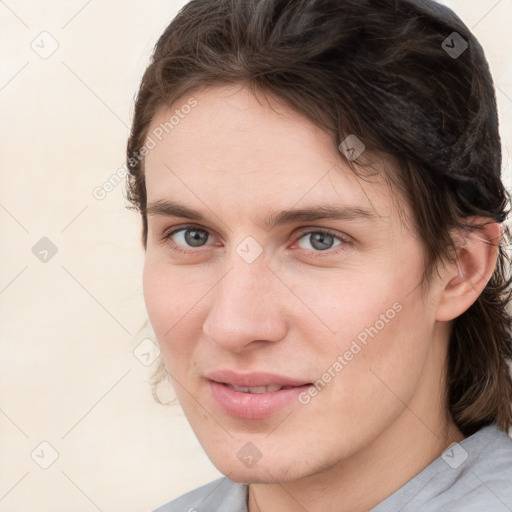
<point>247,307</point>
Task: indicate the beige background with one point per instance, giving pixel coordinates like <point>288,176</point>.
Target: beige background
<point>69,326</point>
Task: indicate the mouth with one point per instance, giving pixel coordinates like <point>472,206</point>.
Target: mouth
<point>255,382</point>
<point>257,389</point>
<point>253,396</point>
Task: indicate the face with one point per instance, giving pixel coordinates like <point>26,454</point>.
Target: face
<point>288,336</point>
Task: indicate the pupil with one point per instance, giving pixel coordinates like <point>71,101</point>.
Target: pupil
<point>320,237</point>
<point>194,237</point>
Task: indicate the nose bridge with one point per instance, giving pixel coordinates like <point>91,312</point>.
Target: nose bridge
<point>244,306</point>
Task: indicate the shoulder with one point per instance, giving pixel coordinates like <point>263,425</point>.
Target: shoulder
<point>488,467</point>
<point>483,480</point>
<point>488,456</point>
<point>222,495</point>
<point>471,476</point>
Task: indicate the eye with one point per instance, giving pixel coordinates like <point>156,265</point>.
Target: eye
<point>187,236</point>
<point>320,240</point>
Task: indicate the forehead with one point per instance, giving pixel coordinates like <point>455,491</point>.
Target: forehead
<point>234,147</point>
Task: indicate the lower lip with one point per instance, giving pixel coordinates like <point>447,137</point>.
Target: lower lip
<point>253,406</point>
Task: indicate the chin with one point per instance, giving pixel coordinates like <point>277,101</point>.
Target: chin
<point>268,471</point>
<point>257,476</point>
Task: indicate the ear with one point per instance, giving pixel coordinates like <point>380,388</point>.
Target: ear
<point>468,274</point>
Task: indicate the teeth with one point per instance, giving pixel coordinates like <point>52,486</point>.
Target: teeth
<point>255,389</point>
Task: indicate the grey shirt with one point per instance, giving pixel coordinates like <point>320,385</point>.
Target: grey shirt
<point>472,476</point>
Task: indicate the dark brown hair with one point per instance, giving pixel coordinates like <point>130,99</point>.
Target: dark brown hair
<point>394,73</point>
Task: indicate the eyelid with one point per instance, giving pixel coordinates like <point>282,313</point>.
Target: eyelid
<point>174,229</point>
<point>316,229</point>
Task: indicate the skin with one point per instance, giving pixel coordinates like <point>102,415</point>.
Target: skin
<point>296,308</point>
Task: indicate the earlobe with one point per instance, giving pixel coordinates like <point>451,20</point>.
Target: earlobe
<point>469,273</point>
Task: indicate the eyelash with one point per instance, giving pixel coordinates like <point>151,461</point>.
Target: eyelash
<point>344,240</point>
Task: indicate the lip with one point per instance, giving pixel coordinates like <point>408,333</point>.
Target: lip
<point>253,406</point>
<point>253,379</point>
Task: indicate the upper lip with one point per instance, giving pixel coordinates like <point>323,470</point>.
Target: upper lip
<point>253,379</point>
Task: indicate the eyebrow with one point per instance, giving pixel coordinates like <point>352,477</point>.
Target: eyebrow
<point>168,208</point>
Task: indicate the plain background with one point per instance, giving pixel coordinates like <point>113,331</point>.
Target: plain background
<point>71,320</point>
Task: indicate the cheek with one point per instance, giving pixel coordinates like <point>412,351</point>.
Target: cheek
<point>169,297</point>
<point>384,369</point>
<point>348,306</point>
<point>378,321</point>
<point>157,296</point>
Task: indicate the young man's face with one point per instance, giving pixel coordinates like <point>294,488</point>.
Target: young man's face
<point>336,302</point>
